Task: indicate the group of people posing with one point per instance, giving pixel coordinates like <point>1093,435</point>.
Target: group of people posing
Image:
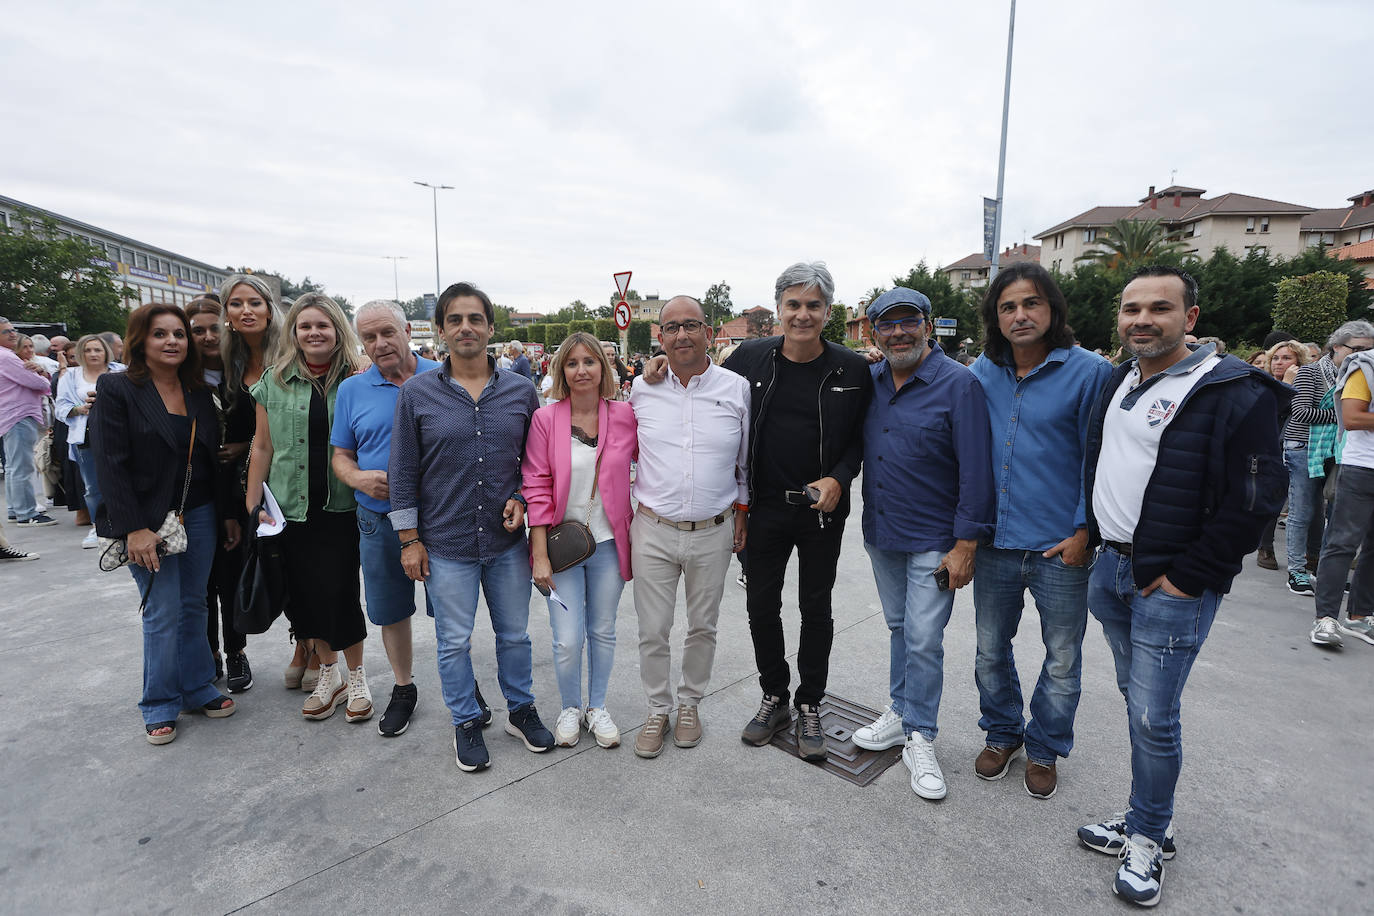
<point>1131,492</point>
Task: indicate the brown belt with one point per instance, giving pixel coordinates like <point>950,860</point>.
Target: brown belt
<point>686,526</point>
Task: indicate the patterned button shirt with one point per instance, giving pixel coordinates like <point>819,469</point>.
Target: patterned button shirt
<point>455,461</point>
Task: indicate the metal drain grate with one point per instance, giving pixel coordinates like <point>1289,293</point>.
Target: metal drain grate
<point>839,719</point>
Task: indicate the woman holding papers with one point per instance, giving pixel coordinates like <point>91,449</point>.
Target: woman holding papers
<point>290,452</point>
<point>577,468</point>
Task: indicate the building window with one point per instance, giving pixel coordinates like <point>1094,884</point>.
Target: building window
<point>1366,234</point>
<point>1249,224</point>
<point>1089,235</point>
<point>142,261</point>
<point>968,275</point>
<point>1264,224</point>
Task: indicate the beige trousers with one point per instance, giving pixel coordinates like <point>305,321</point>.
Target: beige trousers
<point>661,554</point>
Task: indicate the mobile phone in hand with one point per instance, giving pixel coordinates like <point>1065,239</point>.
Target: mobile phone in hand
<point>813,494</point>
<point>941,577</point>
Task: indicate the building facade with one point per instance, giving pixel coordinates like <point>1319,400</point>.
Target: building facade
<point>973,271</point>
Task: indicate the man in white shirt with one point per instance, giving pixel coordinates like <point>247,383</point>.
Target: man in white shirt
<point>693,494</point>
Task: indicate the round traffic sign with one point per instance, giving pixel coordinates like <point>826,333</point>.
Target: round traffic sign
<point>622,314</point>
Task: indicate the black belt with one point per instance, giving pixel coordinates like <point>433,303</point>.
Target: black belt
<point>1120,547</point>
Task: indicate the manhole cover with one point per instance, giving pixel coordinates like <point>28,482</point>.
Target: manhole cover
<point>839,719</point>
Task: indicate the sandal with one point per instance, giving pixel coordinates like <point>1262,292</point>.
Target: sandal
<point>161,739</point>
<point>218,708</point>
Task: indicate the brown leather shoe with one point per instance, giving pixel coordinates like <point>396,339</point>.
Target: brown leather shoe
<point>1041,780</point>
<point>994,762</point>
<point>687,731</point>
<point>649,744</point>
<point>1266,559</point>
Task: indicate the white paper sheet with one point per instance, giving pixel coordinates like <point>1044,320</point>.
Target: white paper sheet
<point>278,523</point>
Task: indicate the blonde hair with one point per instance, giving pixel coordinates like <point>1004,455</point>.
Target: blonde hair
<point>1301,354</point>
<point>87,338</point>
<point>343,362</point>
<point>559,390</point>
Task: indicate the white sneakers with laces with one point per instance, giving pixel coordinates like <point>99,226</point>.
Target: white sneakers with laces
<point>882,733</point>
<point>602,728</point>
<point>927,780</point>
<point>359,708</point>
<point>568,728</point>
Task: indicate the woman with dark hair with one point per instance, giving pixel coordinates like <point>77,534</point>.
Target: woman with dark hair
<point>155,435</point>
<point>295,407</point>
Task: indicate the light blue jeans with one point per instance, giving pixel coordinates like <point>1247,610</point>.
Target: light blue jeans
<point>178,670</point>
<point>85,460</point>
<point>591,591</point>
<point>452,589</point>
<point>1305,510</point>
<point>916,612</point>
<point>20,472</point>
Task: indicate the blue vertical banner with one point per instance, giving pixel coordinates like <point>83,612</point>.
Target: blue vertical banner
<point>989,225</point>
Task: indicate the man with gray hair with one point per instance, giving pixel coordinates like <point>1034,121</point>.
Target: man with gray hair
<point>808,400</point>
<point>42,348</point>
<point>520,363</point>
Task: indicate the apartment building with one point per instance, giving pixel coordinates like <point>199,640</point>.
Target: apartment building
<point>1341,227</point>
<point>973,271</point>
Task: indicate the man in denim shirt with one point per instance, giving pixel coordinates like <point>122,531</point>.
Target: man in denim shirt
<point>454,481</point>
<point>1040,390</point>
<point>928,501</point>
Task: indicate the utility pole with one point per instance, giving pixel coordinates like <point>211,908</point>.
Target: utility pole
<point>1002,155</point>
<point>436,188</point>
<point>395,281</point>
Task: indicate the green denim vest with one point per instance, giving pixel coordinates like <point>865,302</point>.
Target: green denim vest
<point>288,420</point>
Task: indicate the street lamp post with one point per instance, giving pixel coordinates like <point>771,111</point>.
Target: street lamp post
<point>435,189</point>
<point>395,280</point>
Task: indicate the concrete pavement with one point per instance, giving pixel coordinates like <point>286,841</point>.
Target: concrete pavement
<point>265,812</point>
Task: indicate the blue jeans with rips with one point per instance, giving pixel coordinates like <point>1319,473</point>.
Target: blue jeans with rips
<point>178,670</point>
<point>452,587</point>
<point>1000,581</point>
<point>916,612</point>
<point>591,590</point>
<point>1154,641</point>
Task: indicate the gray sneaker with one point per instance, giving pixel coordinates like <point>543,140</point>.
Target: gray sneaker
<point>773,716</point>
<point>810,738</point>
<point>1361,628</point>
<point>1325,632</point>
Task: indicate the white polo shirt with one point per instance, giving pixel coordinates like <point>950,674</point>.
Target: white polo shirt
<point>1139,412</point>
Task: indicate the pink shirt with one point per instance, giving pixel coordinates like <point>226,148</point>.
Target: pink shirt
<point>21,391</point>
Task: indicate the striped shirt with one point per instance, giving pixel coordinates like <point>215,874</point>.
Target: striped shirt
<point>1311,382</point>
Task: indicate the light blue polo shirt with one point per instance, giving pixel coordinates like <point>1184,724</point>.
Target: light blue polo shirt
<point>363,415</point>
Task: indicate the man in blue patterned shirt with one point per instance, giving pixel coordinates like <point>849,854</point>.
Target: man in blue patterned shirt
<point>454,478</point>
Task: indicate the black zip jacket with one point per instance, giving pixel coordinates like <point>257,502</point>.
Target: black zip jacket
<point>841,403</point>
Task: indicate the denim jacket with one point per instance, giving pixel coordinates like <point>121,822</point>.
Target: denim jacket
<point>288,419</point>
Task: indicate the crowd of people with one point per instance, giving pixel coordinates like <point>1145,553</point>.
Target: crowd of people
<point>390,465</point>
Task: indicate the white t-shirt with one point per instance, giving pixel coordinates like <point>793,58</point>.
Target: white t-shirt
<point>1131,431</point>
<point>580,487</point>
<point>213,377</point>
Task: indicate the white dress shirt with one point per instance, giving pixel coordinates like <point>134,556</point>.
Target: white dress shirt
<point>693,444</point>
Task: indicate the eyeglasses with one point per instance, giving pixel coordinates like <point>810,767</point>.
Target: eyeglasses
<point>691,326</point>
<point>9,331</point>
<point>909,325</point>
<point>1353,349</point>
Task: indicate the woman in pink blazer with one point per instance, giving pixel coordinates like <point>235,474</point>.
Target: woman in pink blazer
<point>566,440</point>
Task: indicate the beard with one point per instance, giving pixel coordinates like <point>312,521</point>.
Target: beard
<point>1159,346</point>
<point>905,360</point>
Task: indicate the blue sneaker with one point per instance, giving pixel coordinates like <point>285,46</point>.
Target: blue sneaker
<point>1141,872</point>
<point>470,748</point>
<point>524,724</point>
<point>1109,836</point>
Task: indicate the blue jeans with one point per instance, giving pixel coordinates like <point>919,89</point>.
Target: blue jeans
<point>178,670</point>
<point>85,460</point>
<point>20,471</point>
<point>1304,509</point>
<point>916,612</point>
<point>1154,641</point>
<point>591,591</point>
<point>389,591</point>
<point>452,588</point>
<point>1061,596</point>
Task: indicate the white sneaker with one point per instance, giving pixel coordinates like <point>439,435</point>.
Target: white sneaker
<point>359,708</point>
<point>882,734</point>
<point>330,690</point>
<point>927,780</point>
<point>1326,632</point>
<point>568,728</point>
<point>600,725</point>
<point>90,541</point>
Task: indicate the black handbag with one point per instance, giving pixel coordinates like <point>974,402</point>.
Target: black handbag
<point>570,543</point>
<point>261,595</point>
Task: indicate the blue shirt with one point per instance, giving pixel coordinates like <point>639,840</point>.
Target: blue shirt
<point>927,461</point>
<point>521,364</point>
<point>455,461</point>
<point>1039,434</point>
<point>363,415</point>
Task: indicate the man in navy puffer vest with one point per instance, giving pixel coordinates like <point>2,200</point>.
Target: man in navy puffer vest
<point>1183,470</point>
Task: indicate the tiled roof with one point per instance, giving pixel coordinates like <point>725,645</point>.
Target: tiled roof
<point>1360,251</point>
<point>1344,218</point>
<point>980,261</point>
<point>1176,205</point>
<point>1097,216</point>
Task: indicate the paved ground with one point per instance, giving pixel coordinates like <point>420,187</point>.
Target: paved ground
<point>268,813</point>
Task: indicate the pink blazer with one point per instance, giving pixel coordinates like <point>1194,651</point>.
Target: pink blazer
<point>548,464</point>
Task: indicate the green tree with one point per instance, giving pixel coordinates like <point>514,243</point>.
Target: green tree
<point>639,338</point>
<point>606,329</point>
<point>584,326</point>
<point>1092,292</point>
<point>1359,297</point>
<point>717,304</point>
<point>502,315</point>
<point>554,334</point>
<point>534,333</point>
<point>1311,306</point>
<point>45,277</point>
<point>946,300</point>
<point>630,296</point>
<point>292,290</point>
<point>1129,243</point>
<point>834,329</point>
<point>415,308</point>
<point>1235,296</point>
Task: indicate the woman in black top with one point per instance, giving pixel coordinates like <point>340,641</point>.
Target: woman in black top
<point>146,424</point>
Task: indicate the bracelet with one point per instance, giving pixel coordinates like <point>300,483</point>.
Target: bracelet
<point>741,507</point>
<point>405,544</point>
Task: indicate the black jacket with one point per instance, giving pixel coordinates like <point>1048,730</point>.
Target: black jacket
<point>140,459</point>
<point>1218,479</point>
<point>841,403</point>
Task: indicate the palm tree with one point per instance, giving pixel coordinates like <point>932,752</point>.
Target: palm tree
<point>1132,242</point>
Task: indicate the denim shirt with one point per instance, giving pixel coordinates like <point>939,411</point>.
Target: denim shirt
<point>927,477</point>
<point>288,420</point>
<point>455,461</point>
<point>1039,433</point>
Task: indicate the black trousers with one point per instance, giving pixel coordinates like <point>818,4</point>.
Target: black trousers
<point>219,599</point>
<point>774,530</point>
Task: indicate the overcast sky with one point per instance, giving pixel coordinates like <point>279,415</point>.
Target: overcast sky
<point>692,144</point>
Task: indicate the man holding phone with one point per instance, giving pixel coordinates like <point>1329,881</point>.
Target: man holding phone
<point>928,501</point>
